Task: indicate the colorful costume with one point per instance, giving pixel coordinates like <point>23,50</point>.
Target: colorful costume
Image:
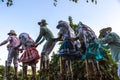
<point>45,34</point>
<point>68,47</point>
<point>113,41</point>
<point>30,55</point>
<point>13,51</point>
<point>91,45</point>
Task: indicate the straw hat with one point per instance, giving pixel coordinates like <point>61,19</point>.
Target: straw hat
<point>43,22</point>
<point>12,32</point>
<point>104,31</point>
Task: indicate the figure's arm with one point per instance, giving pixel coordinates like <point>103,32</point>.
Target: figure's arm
<point>43,39</point>
<point>40,36</point>
<point>59,38</point>
<point>5,41</point>
<point>107,39</point>
<point>40,42</point>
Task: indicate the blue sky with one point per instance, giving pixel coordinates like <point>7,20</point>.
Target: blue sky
<point>24,15</point>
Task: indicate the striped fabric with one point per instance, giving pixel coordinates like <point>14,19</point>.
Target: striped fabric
<point>30,54</point>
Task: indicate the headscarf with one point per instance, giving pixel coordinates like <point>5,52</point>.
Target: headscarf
<point>83,31</point>
<point>65,24</point>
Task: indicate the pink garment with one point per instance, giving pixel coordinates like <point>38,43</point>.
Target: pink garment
<point>13,42</point>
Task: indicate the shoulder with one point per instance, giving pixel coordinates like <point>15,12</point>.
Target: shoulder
<point>112,34</point>
<point>43,28</point>
<point>10,37</point>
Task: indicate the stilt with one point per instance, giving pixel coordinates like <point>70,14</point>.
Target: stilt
<point>33,72</point>
<point>15,75</point>
<point>61,65</point>
<point>41,69</point>
<point>6,68</point>
<point>44,68</point>
<point>6,71</point>
<point>24,71</point>
<point>65,69</point>
<point>61,69</point>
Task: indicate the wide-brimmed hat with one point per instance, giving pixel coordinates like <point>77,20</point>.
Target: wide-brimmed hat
<point>43,21</point>
<point>12,32</point>
<point>104,31</point>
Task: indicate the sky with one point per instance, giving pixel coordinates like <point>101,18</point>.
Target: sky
<point>23,16</point>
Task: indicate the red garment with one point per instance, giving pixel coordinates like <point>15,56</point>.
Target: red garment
<point>30,55</point>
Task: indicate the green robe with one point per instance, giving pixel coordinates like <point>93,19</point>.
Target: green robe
<point>45,33</point>
<point>113,41</point>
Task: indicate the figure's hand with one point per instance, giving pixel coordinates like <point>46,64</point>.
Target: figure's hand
<point>36,45</point>
<point>72,39</point>
<point>21,50</point>
<point>8,46</point>
<point>54,39</point>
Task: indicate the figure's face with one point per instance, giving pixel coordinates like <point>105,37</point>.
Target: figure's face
<point>79,28</point>
<point>23,37</point>
<point>108,31</point>
<point>41,24</point>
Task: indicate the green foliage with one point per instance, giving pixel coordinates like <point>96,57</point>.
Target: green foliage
<point>10,2</point>
<point>71,24</point>
<point>75,1</point>
<point>54,67</point>
<point>2,70</point>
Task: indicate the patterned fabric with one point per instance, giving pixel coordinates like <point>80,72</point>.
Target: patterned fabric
<point>26,40</point>
<point>12,52</point>
<point>85,32</point>
<point>12,55</point>
<point>30,54</point>
<point>95,51</point>
<point>14,42</point>
<point>68,49</point>
<point>92,46</point>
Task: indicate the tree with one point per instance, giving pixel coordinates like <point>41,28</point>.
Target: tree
<point>76,1</point>
<point>10,2</point>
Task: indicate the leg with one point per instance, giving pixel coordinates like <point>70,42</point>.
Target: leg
<point>62,68</point>
<point>15,77</point>
<point>42,62</point>
<point>33,71</point>
<point>47,66</point>
<point>8,72</point>
<point>8,63</point>
<point>47,61</point>
<point>47,48</point>
<point>15,62</point>
<point>24,71</point>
